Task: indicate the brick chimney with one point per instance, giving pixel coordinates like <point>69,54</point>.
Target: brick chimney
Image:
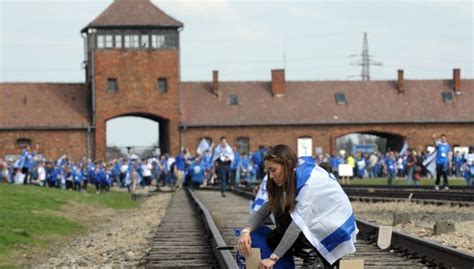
<point>457,80</point>
<point>401,82</point>
<point>215,83</point>
<point>278,82</point>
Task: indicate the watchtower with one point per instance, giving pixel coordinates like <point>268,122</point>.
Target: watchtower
<point>132,69</point>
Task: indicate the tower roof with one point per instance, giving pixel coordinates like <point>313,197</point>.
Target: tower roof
<point>133,13</point>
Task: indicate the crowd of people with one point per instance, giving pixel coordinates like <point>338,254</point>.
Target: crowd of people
<point>223,164</point>
<point>408,164</point>
<point>166,170</point>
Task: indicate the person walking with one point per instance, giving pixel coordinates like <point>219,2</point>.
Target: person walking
<point>223,157</point>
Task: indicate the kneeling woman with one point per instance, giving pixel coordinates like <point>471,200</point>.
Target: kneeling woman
<point>314,218</point>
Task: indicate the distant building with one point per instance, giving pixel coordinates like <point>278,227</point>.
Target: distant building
<point>133,69</point>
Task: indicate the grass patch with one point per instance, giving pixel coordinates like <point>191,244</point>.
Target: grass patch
<point>28,214</point>
<point>402,181</point>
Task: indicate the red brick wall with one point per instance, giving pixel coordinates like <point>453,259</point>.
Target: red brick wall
<point>53,144</point>
<point>136,73</point>
<point>325,136</point>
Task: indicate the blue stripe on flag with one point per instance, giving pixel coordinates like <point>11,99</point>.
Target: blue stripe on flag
<point>341,234</point>
<point>259,202</point>
<point>303,171</point>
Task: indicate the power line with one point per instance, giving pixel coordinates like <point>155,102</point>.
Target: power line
<point>366,61</point>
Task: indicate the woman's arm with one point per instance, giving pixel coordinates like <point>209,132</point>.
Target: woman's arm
<point>259,217</point>
<point>288,239</point>
<point>254,222</point>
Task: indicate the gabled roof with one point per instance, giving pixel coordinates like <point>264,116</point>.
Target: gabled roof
<point>133,13</point>
<point>43,105</point>
<point>314,102</point>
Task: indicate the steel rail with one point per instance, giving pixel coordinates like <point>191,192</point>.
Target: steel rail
<point>224,257</point>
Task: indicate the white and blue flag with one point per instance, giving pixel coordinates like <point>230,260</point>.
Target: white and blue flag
<point>404,149</point>
<point>261,197</point>
<point>323,211</point>
<point>203,146</point>
<point>430,163</point>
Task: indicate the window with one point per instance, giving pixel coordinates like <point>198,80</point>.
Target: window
<point>447,97</point>
<point>144,41</point>
<point>118,41</point>
<point>100,41</point>
<point>109,41</point>
<point>305,146</point>
<point>341,98</point>
<point>23,142</point>
<point>166,39</point>
<point>243,145</point>
<point>162,85</point>
<point>112,84</point>
<point>234,100</point>
<point>157,41</point>
<point>131,41</point>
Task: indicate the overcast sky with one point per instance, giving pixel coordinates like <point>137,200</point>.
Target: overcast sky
<point>40,40</point>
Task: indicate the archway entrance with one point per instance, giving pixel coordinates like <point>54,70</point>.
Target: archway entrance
<point>369,142</point>
<point>136,136</point>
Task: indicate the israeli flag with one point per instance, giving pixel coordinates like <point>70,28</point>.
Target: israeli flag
<point>18,163</point>
<point>203,146</point>
<point>261,197</point>
<point>430,163</point>
<point>323,212</point>
<point>404,149</point>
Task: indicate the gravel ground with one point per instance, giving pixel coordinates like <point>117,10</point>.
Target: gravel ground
<point>422,220</point>
<point>120,239</point>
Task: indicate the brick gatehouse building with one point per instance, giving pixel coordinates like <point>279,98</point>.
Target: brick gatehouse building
<point>133,69</point>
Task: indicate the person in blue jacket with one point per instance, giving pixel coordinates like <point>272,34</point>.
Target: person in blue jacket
<point>197,171</point>
<point>390,166</point>
<point>442,160</point>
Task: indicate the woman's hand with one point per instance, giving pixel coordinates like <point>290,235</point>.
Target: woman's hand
<point>266,264</point>
<point>244,244</point>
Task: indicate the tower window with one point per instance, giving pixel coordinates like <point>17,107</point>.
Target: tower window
<point>234,100</point>
<point>118,41</point>
<point>341,98</point>
<point>131,41</point>
<point>162,85</point>
<point>109,41</point>
<point>157,41</point>
<point>144,41</point>
<point>112,85</point>
<point>100,41</point>
<point>447,97</point>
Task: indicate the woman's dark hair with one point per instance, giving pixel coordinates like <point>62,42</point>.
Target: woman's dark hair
<point>282,199</point>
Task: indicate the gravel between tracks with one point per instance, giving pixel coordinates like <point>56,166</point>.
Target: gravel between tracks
<point>121,238</point>
<point>422,220</point>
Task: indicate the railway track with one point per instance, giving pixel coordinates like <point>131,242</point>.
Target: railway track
<point>203,237</point>
<point>181,240</point>
<point>458,197</point>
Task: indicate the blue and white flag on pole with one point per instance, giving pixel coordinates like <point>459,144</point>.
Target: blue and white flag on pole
<point>203,146</point>
<point>404,149</point>
<point>323,212</point>
<point>430,163</point>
